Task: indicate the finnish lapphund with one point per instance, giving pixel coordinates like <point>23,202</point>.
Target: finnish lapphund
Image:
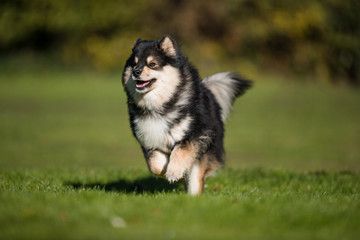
<point>178,118</point>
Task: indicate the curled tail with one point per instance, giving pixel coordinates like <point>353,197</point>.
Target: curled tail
<point>226,86</point>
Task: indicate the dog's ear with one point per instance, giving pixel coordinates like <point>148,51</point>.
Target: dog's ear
<point>168,46</point>
<point>136,43</point>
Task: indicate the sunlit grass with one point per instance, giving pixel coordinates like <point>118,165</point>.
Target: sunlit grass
<point>80,119</point>
<point>70,167</point>
<point>110,204</point>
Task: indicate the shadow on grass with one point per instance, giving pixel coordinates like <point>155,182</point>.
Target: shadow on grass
<point>139,186</point>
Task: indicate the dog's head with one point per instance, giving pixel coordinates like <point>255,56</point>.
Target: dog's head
<point>151,71</point>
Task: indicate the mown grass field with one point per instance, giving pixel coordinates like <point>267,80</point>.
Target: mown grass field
<point>70,168</point>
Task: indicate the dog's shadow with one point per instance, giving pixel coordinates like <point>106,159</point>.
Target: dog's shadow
<point>139,186</point>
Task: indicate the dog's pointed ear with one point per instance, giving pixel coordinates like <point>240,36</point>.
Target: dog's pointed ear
<point>136,43</point>
<point>168,46</point>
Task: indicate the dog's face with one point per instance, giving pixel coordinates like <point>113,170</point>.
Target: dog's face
<point>150,76</point>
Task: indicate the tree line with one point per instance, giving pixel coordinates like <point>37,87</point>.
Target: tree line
<point>318,38</point>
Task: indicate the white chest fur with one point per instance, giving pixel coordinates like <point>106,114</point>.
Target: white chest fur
<point>154,132</point>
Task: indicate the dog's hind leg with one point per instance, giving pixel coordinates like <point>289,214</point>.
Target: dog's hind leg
<point>196,178</point>
<point>207,166</point>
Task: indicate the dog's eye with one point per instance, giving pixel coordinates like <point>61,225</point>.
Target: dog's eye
<point>152,64</point>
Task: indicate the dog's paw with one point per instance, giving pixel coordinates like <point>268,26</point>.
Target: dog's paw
<point>157,163</point>
<point>174,174</point>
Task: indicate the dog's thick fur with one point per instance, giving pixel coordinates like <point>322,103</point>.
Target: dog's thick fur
<point>177,118</point>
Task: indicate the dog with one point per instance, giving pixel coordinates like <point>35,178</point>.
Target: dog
<point>177,118</point>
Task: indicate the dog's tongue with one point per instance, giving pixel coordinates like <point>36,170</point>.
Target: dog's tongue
<point>142,84</point>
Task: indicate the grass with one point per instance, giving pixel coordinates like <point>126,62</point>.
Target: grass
<point>70,168</point>
<point>237,204</point>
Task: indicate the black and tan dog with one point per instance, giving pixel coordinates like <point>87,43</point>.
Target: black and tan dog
<point>178,118</point>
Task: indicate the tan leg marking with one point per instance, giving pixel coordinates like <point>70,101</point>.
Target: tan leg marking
<point>197,177</point>
<point>157,162</point>
<point>181,160</point>
<point>200,171</point>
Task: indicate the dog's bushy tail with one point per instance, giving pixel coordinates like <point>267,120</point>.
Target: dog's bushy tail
<point>226,86</point>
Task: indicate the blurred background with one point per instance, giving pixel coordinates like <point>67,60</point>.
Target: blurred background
<point>62,102</point>
<point>319,39</point>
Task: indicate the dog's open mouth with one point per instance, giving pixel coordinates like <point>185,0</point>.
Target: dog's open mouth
<point>141,85</point>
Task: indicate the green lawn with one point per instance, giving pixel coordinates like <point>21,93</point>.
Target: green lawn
<point>70,168</point>
<point>124,204</point>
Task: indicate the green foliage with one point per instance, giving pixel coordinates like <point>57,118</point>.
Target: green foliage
<point>317,38</point>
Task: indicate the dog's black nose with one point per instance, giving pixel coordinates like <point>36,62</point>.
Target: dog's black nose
<point>136,72</point>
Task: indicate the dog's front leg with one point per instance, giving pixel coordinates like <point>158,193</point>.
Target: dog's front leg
<point>157,162</point>
<point>181,160</point>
